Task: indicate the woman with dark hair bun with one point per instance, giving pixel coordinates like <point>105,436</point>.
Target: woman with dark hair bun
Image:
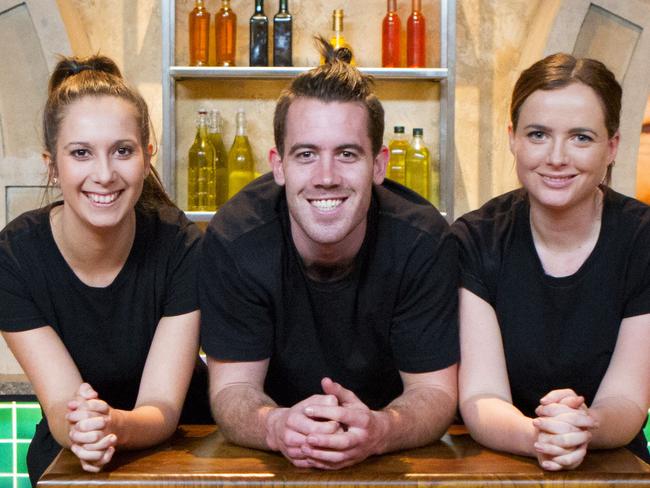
<point>98,292</point>
<point>555,286</point>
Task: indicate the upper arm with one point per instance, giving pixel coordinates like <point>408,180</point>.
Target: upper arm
<point>444,380</point>
<point>170,362</point>
<point>628,373</point>
<point>224,374</point>
<point>51,371</point>
<point>483,366</point>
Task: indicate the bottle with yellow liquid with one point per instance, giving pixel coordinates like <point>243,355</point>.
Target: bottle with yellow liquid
<point>220,158</point>
<point>397,148</point>
<point>201,174</point>
<point>241,165</point>
<point>418,165</point>
<point>337,40</point>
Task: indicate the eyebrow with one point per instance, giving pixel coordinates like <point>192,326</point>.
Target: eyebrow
<point>88,144</point>
<point>340,147</point>
<point>574,130</point>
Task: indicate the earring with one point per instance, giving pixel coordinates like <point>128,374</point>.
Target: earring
<point>55,180</point>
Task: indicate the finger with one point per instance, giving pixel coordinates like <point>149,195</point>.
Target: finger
<point>87,392</point>
<point>550,449</point>
<point>339,442</point>
<point>571,459</point>
<point>321,455</point>
<point>91,468</point>
<point>574,401</point>
<point>556,396</point>
<point>553,409</point>
<point>291,438</point>
<point>343,394</point>
<point>577,418</point>
<point>568,441</point>
<point>550,465</point>
<point>85,455</point>
<point>300,463</point>
<point>320,400</point>
<point>76,416</point>
<point>103,444</point>
<point>305,425</point>
<point>294,453</point>
<point>551,425</point>
<point>92,423</point>
<point>351,417</point>
<point>83,438</point>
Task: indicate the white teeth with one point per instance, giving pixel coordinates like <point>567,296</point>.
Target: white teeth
<point>104,199</point>
<point>326,204</point>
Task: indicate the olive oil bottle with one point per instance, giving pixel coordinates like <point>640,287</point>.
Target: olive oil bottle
<point>337,40</point>
<point>283,36</point>
<point>241,165</point>
<point>397,148</point>
<point>418,165</point>
<point>202,172</point>
<point>220,158</point>
<point>258,52</point>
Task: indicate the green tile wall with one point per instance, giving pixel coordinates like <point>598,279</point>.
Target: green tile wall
<point>17,423</point>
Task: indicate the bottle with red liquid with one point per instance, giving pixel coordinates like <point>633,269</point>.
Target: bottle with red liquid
<point>199,22</point>
<point>225,28</point>
<point>416,52</point>
<point>390,41</point>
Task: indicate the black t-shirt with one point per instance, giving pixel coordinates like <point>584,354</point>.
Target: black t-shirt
<point>557,332</point>
<point>107,331</point>
<point>395,311</point>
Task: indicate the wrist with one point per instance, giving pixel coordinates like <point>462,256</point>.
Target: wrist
<point>383,421</point>
<point>270,417</point>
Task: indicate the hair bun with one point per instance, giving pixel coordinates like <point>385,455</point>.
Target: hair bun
<point>71,66</point>
<point>330,54</point>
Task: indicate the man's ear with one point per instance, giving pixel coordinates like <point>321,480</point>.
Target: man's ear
<point>379,166</point>
<point>275,160</point>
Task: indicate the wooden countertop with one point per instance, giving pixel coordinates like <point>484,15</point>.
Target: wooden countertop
<point>199,456</point>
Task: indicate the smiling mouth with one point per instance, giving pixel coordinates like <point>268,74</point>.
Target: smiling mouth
<point>557,179</point>
<point>328,204</point>
<point>103,198</point>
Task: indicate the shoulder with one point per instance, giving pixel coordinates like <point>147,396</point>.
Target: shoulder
<point>26,232</point>
<point>256,206</point>
<point>404,209</point>
<point>492,221</point>
<point>628,218</point>
<point>167,223</point>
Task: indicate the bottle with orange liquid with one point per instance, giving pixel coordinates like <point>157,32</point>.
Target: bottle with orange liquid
<point>390,42</point>
<point>225,28</point>
<point>416,53</point>
<point>199,23</point>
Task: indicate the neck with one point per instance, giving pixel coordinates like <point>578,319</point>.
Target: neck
<point>95,255</point>
<point>566,229</point>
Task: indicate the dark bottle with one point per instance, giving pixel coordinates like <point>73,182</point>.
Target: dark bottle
<point>282,55</point>
<point>259,36</point>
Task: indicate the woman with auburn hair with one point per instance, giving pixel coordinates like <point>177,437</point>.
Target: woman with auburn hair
<point>555,287</point>
<point>98,292</point>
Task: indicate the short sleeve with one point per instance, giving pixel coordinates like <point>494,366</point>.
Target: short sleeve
<point>181,294</point>
<point>18,310</point>
<point>637,300</point>
<point>236,321</point>
<point>471,261</point>
<point>424,332</point>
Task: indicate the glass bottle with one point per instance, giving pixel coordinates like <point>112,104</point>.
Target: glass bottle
<point>397,148</point>
<point>337,40</point>
<point>199,25</point>
<point>201,175</point>
<point>416,37</point>
<point>282,36</point>
<point>241,165</point>
<point>390,40</point>
<point>220,158</point>
<point>259,36</point>
<point>225,30</point>
<point>417,165</point>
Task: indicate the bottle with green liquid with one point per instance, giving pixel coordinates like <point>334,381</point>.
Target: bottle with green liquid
<point>201,172</point>
<point>397,148</point>
<point>241,165</point>
<point>220,158</point>
<point>418,165</point>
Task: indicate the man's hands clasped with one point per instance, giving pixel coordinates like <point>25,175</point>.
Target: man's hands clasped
<point>328,431</point>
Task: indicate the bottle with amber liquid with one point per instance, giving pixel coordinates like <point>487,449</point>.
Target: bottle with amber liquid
<point>416,52</point>
<point>201,174</point>
<point>225,30</point>
<point>397,148</point>
<point>282,36</point>
<point>390,37</point>
<point>241,164</point>
<point>220,158</point>
<point>199,24</point>
<point>259,36</point>
<point>417,165</point>
<point>337,40</point>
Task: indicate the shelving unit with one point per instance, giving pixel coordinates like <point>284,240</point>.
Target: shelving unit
<point>444,76</point>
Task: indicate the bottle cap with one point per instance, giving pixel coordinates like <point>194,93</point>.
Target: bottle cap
<point>398,129</point>
<point>418,131</point>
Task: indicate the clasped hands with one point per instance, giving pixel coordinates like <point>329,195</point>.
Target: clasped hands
<point>563,426</point>
<point>90,435</point>
<point>328,431</point>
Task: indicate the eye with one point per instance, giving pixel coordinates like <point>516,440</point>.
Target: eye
<point>536,135</point>
<point>583,138</point>
<point>124,151</point>
<point>80,153</point>
<point>305,156</point>
<point>348,156</point>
